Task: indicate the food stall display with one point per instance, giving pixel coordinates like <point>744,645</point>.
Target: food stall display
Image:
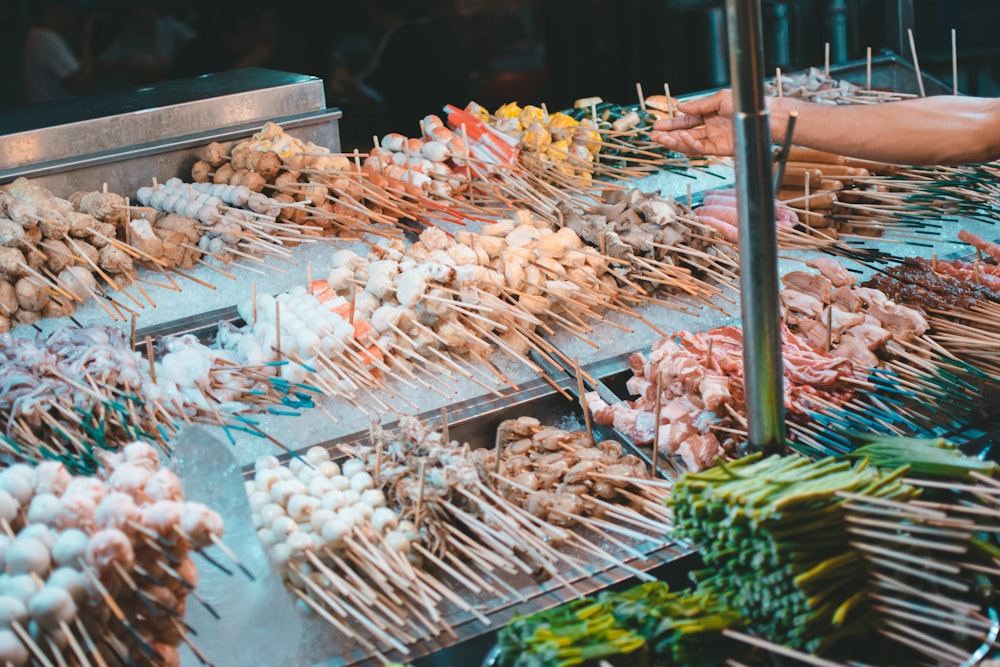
<point>466,375</point>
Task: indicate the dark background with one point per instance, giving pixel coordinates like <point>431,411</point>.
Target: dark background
<point>552,51</point>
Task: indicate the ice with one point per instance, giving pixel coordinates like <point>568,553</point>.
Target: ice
<point>258,623</point>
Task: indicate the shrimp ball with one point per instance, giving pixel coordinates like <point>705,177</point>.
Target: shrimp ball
<point>52,606</point>
<point>117,510</point>
<point>142,454</point>
<point>69,547</point>
<point>131,479</point>
<point>75,511</point>
<point>86,486</point>
<point>352,466</point>
<point>110,546</point>
<point>42,508</point>
<point>162,517</point>
<point>12,651</point>
<point>164,485</point>
<point>51,477</point>
<point>362,481</point>
<point>200,524</point>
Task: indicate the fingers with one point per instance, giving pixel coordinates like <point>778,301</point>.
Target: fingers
<point>684,122</point>
<point>711,104</point>
<point>694,142</point>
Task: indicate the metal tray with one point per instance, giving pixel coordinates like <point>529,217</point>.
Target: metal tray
<point>475,421</point>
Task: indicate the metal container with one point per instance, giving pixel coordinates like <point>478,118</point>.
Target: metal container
<point>128,138</point>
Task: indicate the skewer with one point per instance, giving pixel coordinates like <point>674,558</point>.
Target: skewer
<point>868,68</point>
<point>954,63</point>
<point>916,63</point>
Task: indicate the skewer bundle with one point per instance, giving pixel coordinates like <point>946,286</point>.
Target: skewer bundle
<point>960,299</point>
<point>568,479</point>
<point>464,513</point>
<point>81,388</point>
<point>664,245</point>
<point>52,251</point>
<point>816,85</point>
<point>344,552</point>
<point>776,534</point>
<point>98,570</point>
<point>690,398</point>
<point>477,293</point>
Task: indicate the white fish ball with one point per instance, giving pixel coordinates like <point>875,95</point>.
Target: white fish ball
<point>282,527</point>
<point>28,555</point>
<point>12,651</point>
<point>352,466</point>
<point>362,481</point>
<point>301,506</point>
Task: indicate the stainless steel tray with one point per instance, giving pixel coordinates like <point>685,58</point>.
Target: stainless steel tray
<point>475,421</point>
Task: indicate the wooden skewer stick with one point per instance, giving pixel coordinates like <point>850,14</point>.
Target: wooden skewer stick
<point>581,392</point>
<point>657,406</point>
<point>826,60</point>
<point>419,511</point>
<point>638,92</point>
<point>670,102</point>
<point>777,82</point>
<point>954,63</point>
<point>916,63</point>
<point>868,69</point>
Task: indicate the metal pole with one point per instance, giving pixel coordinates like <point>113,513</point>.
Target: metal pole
<point>900,22</point>
<point>762,365</point>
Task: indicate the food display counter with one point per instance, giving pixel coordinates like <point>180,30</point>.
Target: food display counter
<point>240,609</point>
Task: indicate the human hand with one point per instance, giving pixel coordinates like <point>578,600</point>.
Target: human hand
<point>705,126</point>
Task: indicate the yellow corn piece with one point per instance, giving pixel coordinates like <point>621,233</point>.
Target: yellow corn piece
<point>535,138</point>
<point>530,114</point>
<point>560,120</point>
<point>509,110</point>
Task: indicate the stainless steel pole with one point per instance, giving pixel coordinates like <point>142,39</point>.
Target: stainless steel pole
<point>762,365</point>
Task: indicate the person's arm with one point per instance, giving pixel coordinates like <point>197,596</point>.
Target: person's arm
<point>931,130</point>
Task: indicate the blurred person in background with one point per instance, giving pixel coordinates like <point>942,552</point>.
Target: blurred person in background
<point>232,35</point>
<point>146,48</point>
<point>417,66</point>
<point>50,68</point>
